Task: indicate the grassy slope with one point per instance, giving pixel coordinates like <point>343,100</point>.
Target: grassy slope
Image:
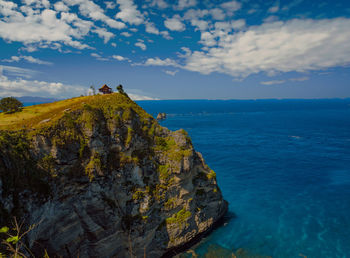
<point>39,115</point>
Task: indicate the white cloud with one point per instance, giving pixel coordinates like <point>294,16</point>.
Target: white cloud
<point>89,9</point>
<point>174,23</point>
<point>61,7</point>
<point>119,58</point>
<point>238,24</point>
<point>217,14</point>
<point>29,59</point>
<point>208,39</point>
<point>296,45</point>
<point>172,73</point>
<point>140,97</point>
<point>200,24</point>
<point>141,45</point>
<point>37,3</point>
<point>99,57</point>
<point>103,33</point>
<point>110,5</point>
<point>274,82</point>
<point>42,27</point>
<point>151,28</point>
<point>136,94</point>
<point>273,9</point>
<point>182,4</point>
<point>166,35</point>
<point>160,62</point>
<point>129,13</point>
<point>126,34</point>
<point>22,87</point>
<point>299,79</point>
<point>113,44</point>
<point>16,71</point>
<point>231,6</point>
<point>161,4</point>
<point>195,14</point>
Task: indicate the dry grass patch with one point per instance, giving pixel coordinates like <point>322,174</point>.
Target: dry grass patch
<point>36,116</point>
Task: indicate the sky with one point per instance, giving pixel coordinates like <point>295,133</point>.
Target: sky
<point>179,49</point>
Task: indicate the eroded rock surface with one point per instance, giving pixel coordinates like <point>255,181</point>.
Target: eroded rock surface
<point>106,180</point>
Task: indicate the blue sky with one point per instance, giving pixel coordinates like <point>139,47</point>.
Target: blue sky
<point>183,49</point>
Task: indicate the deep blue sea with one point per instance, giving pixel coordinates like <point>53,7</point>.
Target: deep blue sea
<point>284,167</point>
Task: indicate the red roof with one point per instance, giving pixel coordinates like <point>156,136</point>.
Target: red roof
<point>105,87</point>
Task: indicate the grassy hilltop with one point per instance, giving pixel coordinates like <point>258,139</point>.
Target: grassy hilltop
<point>37,116</point>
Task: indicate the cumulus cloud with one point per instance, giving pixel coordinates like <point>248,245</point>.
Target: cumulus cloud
<point>41,27</point>
<point>61,7</point>
<point>110,5</point>
<point>99,57</point>
<point>231,6</point>
<point>129,13</point>
<point>174,23</point>
<point>23,87</point>
<point>151,28</point>
<point>91,10</point>
<point>119,58</point>
<point>296,45</point>
<point>126,34</point>
<point>29,59</point>
<point>182,4</point>
<point>141,45</point>
<point>103,33</point>
<point>161,4</point>
<point>160,62</point>
<point>217,14</point>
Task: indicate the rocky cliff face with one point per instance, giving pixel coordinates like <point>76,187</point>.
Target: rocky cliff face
<point>104,179</point>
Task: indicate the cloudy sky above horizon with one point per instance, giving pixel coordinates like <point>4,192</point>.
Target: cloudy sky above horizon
<point>184,49</point>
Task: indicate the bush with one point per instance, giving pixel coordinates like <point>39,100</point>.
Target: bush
<point>10,105</point>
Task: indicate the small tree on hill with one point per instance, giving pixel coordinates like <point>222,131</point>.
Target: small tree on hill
<point>93,90</point>
<point>120,89</point>
<point>10,105</point>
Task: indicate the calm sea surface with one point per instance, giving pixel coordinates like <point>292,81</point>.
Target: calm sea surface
<point>284,167</point>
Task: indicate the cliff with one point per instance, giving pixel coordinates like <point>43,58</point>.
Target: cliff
<point>103,178</point>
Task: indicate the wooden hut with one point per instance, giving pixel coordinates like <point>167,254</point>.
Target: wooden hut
<point>105,89</point>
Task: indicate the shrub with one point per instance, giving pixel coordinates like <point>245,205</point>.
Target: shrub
<point>10,105</point>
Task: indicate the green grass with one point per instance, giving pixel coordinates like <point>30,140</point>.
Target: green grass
<point>42,115</point>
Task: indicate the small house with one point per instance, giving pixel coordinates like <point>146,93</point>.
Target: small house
<point>105,89</point>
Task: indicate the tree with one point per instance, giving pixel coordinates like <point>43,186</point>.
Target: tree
<point>10,105</point>
<point>120,89</point>
<point>92,88</point>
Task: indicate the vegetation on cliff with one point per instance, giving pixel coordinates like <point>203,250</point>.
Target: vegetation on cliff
<point>105,152</point>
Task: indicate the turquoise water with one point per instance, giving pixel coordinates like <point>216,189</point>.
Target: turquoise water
<point>284,167</point>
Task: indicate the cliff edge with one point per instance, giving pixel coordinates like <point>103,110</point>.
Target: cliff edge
<point>104,179</point>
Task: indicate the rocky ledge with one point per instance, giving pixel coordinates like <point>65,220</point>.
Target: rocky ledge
<point>101,178</point>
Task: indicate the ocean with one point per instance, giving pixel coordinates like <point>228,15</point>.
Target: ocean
<point>283,166</point>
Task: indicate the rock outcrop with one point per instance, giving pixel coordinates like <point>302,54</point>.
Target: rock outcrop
<point>104,179</point>
<point>161,116</point>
